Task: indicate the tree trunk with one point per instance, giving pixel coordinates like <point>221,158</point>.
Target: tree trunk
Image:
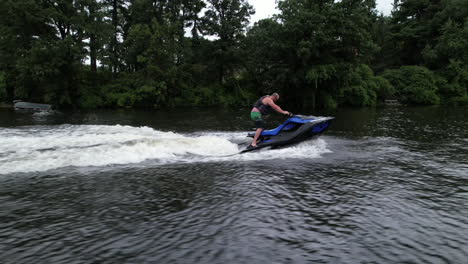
<point>314,95</point>
<point>92,54</point>
<point>92,39</point>
<point>113,44</point>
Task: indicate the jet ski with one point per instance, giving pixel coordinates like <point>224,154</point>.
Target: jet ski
<point>295,129</point>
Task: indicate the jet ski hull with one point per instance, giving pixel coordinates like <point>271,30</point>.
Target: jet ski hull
<point>292,131</point>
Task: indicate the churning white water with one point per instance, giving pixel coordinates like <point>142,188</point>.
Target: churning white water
<point>41,148</point>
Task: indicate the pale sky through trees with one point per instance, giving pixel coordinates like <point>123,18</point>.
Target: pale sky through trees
<point>266,8</point>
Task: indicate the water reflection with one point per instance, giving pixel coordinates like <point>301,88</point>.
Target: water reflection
<point>391,189</point>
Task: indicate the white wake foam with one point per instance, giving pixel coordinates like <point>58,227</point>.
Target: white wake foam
<point>42,148</point>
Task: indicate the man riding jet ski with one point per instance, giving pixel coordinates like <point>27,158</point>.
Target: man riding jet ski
<point>294,130</point>
<point>262,107</point>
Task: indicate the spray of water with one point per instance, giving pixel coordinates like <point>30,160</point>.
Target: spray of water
<point>42,148</point>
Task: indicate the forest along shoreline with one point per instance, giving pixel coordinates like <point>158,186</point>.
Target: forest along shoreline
<point>122,54</point>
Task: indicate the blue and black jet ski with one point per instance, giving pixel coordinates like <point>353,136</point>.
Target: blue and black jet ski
<point>295,129</point>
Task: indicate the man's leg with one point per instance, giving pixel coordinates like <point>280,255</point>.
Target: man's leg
<point>259,125</point>
<point>257,135</point>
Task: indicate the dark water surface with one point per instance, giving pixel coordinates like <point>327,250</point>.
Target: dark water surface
<point>387,185</point>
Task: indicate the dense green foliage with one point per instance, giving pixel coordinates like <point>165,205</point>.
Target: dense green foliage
<point>414,84</point>
<point>3,93</point>
<point>161,53</point>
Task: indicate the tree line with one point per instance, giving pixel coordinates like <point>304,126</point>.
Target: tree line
<point>169,53</point>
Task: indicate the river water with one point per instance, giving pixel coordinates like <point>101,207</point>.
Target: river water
<point>386,185</point>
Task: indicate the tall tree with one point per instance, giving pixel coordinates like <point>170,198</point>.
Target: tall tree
<point>227,20</point>
<point>322,41</point>
<point>116,12</point>
<point>22,23</point>
<point>434,34</point>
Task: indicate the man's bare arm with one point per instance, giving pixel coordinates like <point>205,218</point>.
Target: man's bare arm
<point>275,106</point>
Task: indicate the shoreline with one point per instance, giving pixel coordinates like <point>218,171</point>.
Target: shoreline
<point>5,105</point>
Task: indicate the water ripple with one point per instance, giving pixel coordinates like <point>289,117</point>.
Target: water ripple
<point>395,193</point>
